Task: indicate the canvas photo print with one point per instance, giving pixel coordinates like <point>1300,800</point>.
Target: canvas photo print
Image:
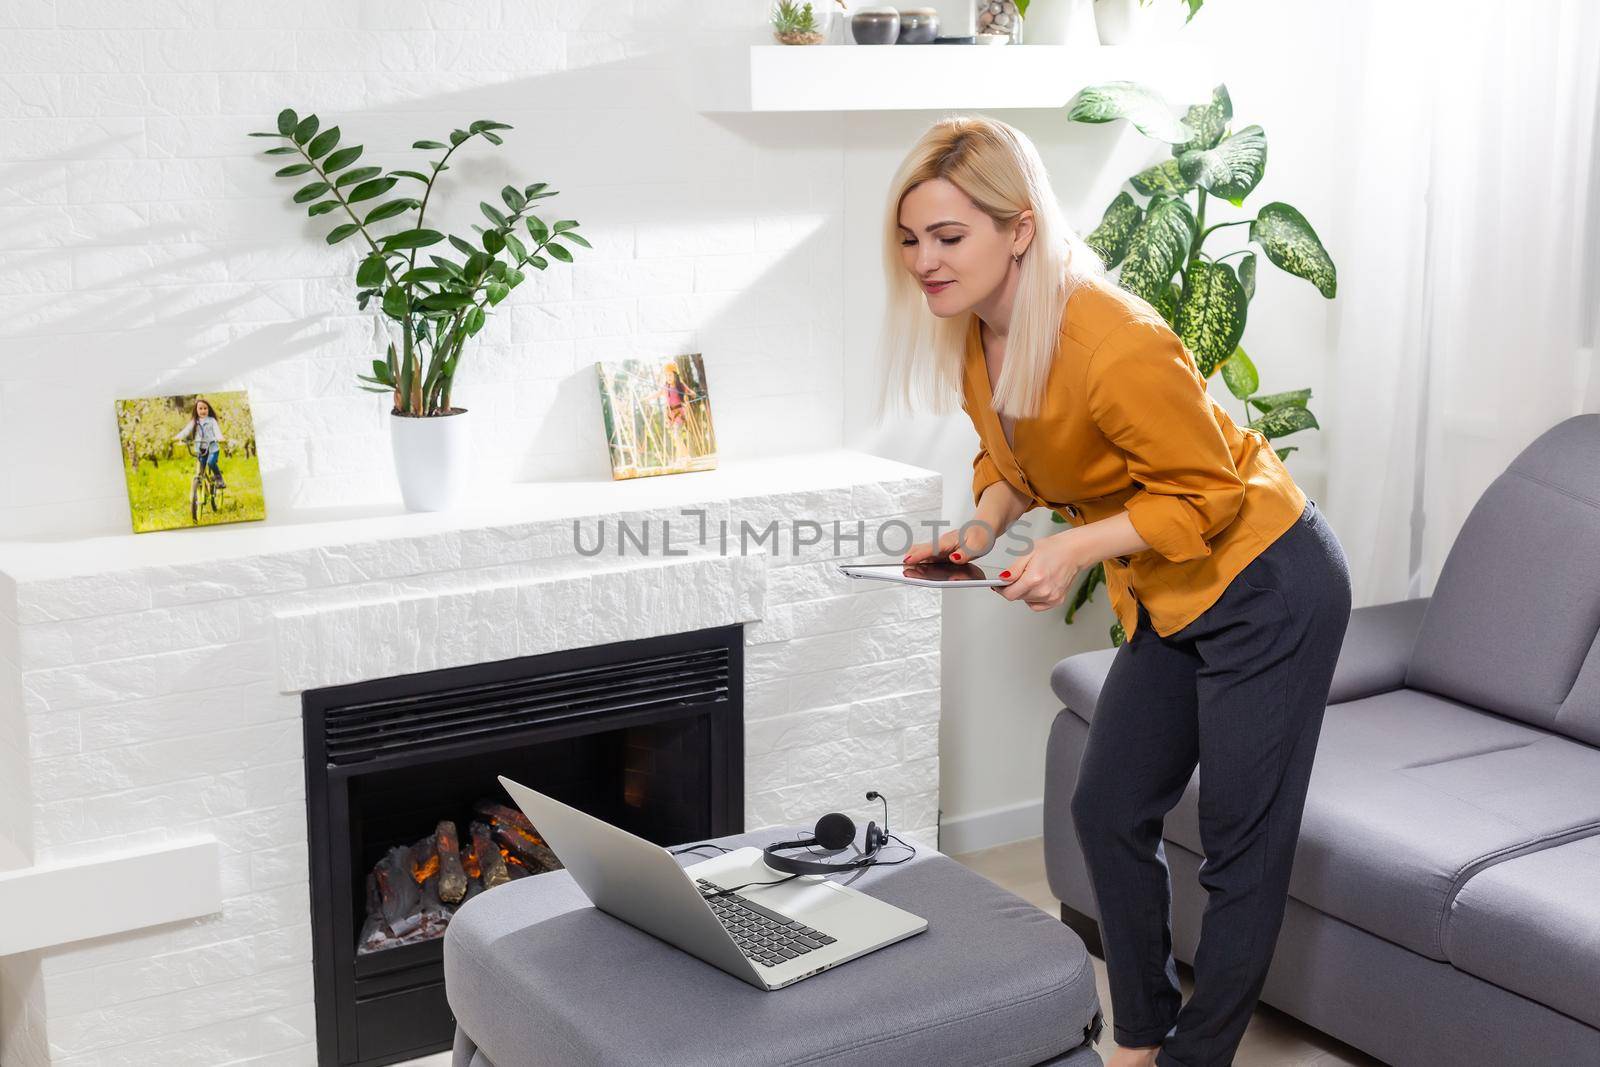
<point>657,416</point>
<point>190,460</point>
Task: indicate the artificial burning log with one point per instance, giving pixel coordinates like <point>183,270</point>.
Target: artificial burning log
<point>398,893</point>
<point>513,830</point>
<point>490,863</point>
<point>452,878</point>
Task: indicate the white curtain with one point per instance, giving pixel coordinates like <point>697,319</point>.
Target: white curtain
<point>1469,288</point>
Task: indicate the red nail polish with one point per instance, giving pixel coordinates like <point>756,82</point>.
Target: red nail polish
<point>1005,574</point>
<point>955,555</point>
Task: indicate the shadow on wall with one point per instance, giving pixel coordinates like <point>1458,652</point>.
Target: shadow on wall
<point>718,234</point>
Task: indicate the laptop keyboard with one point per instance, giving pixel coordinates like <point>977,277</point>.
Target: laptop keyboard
<point>762,934</point>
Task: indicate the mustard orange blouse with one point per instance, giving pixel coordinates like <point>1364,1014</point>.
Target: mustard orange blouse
<point>1127,423</point>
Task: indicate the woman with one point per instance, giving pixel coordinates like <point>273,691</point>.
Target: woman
<point>1232,591</point>
<point>207,433</point>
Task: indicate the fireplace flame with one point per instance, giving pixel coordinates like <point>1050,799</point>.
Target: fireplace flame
<point>421,872</point>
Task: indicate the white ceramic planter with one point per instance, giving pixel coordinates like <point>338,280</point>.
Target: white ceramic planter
<point>433,459</point>
<point>1068,22</point>
<point>1125,21</point>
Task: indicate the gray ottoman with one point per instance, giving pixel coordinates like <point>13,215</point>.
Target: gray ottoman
<point>536,976</point>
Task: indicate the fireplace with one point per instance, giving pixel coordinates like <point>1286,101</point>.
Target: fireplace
<point>646,734</point>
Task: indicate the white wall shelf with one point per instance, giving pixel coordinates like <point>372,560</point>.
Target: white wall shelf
<point>938,77</point>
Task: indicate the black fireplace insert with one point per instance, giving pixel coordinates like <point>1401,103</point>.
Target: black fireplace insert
<point>407,821</point>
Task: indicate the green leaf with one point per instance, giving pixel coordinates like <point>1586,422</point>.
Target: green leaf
<point>341,159</point>
<point>538,262</point>
<point>360,174</point>
<point>563,226</point>
<point>457,136</point>
<point>497,291</point>
<point>430,275</point>
<point>323,143</point>
<point>1247,275</point>
<point>371,272</point>
<point>282,150</point>
<point>447,301</point>
<point>1211,314</point>
<point>514,199</point>
<point>1209,121</point>
<point>287,121</point>
<point>533,190</point>
<point>1230,170</point>
<point>462,246</point>
<point>380,372</point>
<point>1280,422</point>
<point>494,214</point>
<point>410,239</point>
<point>1274,401</point>
<point>445,265</point>
<point>1110,238</point>
<point>322,208</point>
<point>339,233</point>
<point>559,252</point>
<point>1291,244</point>
<point>576,238</point>
<point>428,145</point>
<point>1240,375</point>
<point>1283,453</point>
<point>474,321</point>
<point>514,243</point>
<point>263,135</point>
<point>1085,590</point>
<point>1144,107</point>
<point>514,277</point>
<point>311,192</point>
<point>306,130</point>
<point>390,210</point>
<point>486,124</point>
<point>493,138</point>
<point>1118,635</point>
<point>493,242</point>
<point>368,190</point>
<point>1161,179</point>
<point>1166,302</point>
<point>1157,248</point>
<point>423,178</point>
<point>292,170</point>
<point>395,303</point>
<point>537,229</point>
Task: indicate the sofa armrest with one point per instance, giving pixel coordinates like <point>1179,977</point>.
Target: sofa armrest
<point>1377,648</point>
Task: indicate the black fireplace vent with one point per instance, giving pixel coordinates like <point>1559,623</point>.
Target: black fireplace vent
<point>375,728</point>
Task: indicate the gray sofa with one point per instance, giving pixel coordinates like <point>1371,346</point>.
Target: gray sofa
<point>1445,902</point>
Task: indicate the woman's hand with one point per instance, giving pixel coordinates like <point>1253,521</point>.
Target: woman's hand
<point>1042,578</point>
<point>950,546</point>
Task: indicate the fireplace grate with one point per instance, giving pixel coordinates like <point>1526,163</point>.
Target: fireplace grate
<point>372,729</point>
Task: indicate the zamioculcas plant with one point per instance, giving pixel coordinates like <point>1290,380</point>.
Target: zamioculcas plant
<point>441,302</point>
<point>1159,246</point>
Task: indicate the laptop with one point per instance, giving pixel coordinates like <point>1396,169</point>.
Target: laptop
<point>770,936</point>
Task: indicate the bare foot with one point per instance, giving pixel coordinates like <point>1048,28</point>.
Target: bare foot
<point>1144,1056</point>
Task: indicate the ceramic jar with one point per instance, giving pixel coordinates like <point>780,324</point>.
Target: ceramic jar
<point>875,25</point>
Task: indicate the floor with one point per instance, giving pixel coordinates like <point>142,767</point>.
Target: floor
<point>1273,1038</point>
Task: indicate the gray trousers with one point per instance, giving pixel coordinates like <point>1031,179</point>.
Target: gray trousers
<point>1241,691</point>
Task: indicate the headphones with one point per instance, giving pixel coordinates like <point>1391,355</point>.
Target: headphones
<point>834,831</point>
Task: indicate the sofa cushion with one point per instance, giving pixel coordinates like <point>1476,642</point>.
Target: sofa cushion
<point>1377,645</point>
<point>1532,925</point>
<point>1517,605</point>
<point>533,973</point>
<point>1410,795</point>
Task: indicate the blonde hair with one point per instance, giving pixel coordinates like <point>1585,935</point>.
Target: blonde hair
<point>1000,171</point>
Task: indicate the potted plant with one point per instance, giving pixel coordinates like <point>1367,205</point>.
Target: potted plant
<point>1127,21</point>
<point>1163,239</point>
<point>1059,22</point>
<point>799,23</point>
<point>436,306</point>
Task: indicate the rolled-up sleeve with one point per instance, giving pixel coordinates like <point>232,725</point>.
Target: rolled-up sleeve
<point>1149,400</point>
<point>984,474</point>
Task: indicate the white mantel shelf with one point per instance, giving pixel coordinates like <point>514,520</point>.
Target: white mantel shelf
<point>514,504</point>
<point>939,77</point>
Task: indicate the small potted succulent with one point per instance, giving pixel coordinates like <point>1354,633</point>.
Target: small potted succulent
<point>435,306</point>
<point>800,23</point>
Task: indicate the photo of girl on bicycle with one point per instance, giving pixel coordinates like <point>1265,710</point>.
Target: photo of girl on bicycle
<point>657,416</point>
<point>174,452</point>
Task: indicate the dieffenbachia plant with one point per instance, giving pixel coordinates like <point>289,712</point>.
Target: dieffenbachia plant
<point>436,305</point>
<point>1159,246</point>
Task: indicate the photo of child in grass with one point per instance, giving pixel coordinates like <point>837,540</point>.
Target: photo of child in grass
<point>657,416</point>
<point>190,460</point>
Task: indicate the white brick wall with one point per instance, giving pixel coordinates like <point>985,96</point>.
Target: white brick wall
<point>161,699</point>
<point>148,251</point>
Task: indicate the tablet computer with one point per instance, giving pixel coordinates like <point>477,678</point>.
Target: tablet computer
<point>940,574</point>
